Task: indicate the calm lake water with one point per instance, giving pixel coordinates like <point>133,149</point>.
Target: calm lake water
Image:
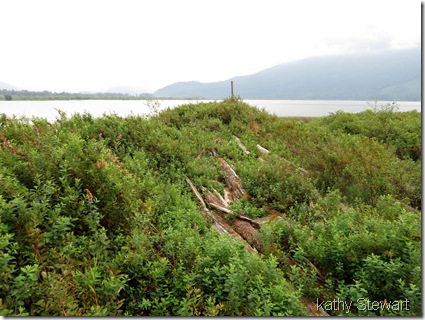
<point>283,108</point>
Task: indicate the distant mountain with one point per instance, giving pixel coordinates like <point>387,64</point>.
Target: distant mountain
<point>390,75</point>
<point>132,90</point>
<point>7,86</point>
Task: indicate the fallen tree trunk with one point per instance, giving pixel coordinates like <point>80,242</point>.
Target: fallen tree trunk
<point>243,228</point>
<point>254,223</point>
<point>223,201</point>
<point>195,191</point>
<point>227,195</point>
<point>223,222</point>
<point>216,202</point>
<point>233,181</point>
<point>265,151</point>
<point>218,207</point>
<point>220,224</point>
<point>241,145</point>
<point>247,231</point>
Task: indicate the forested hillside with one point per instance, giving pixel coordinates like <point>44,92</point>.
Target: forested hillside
<point>393,75</point>
<point>211,209</point>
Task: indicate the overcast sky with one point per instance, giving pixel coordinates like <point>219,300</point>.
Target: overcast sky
<point>91,45</point>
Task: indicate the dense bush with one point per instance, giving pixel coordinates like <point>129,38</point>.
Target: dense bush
<point>399,130</point>
<point>96,217</point>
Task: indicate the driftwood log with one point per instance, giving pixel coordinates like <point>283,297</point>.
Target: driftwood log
<point>196,192</point>
<point>242,228</point>
<point>220,224</point>
<point>233,182</point>
<point>265,151</point>
<point>241,145</point>
<point>247,231</point>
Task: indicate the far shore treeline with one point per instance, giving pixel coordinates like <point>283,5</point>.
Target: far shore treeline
<point>49,95</point>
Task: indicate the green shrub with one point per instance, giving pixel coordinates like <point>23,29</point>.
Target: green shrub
<point>96,217</point>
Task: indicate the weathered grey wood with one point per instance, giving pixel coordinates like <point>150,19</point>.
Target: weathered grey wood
<point>227,195</point>
<point>233,181</point>
<point>196,192</point>
<point>231,89</point>
<point>218,207</point>
<point>214,201</point>
<point>262,149</point>
<point>241,145</point>
<point>223,201</point>
<point>247,231</point>
<point>242,229</point>
<point>220,224</point>
<point>265,151</point>
<point>224,223</point>
<point>254,223</point>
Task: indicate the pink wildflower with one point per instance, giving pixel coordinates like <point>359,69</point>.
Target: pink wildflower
<point>119,136</point>
<point>100,135</point>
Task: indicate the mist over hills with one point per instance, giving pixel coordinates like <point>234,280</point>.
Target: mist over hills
<point>133,90</point>
<point>390,75</point>
<point>7,86</point>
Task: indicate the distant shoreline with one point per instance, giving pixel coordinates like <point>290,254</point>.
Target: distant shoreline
<point>126,107</point>
<point>79,98</point>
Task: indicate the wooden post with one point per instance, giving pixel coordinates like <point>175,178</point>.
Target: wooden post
<point>231,89</point>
